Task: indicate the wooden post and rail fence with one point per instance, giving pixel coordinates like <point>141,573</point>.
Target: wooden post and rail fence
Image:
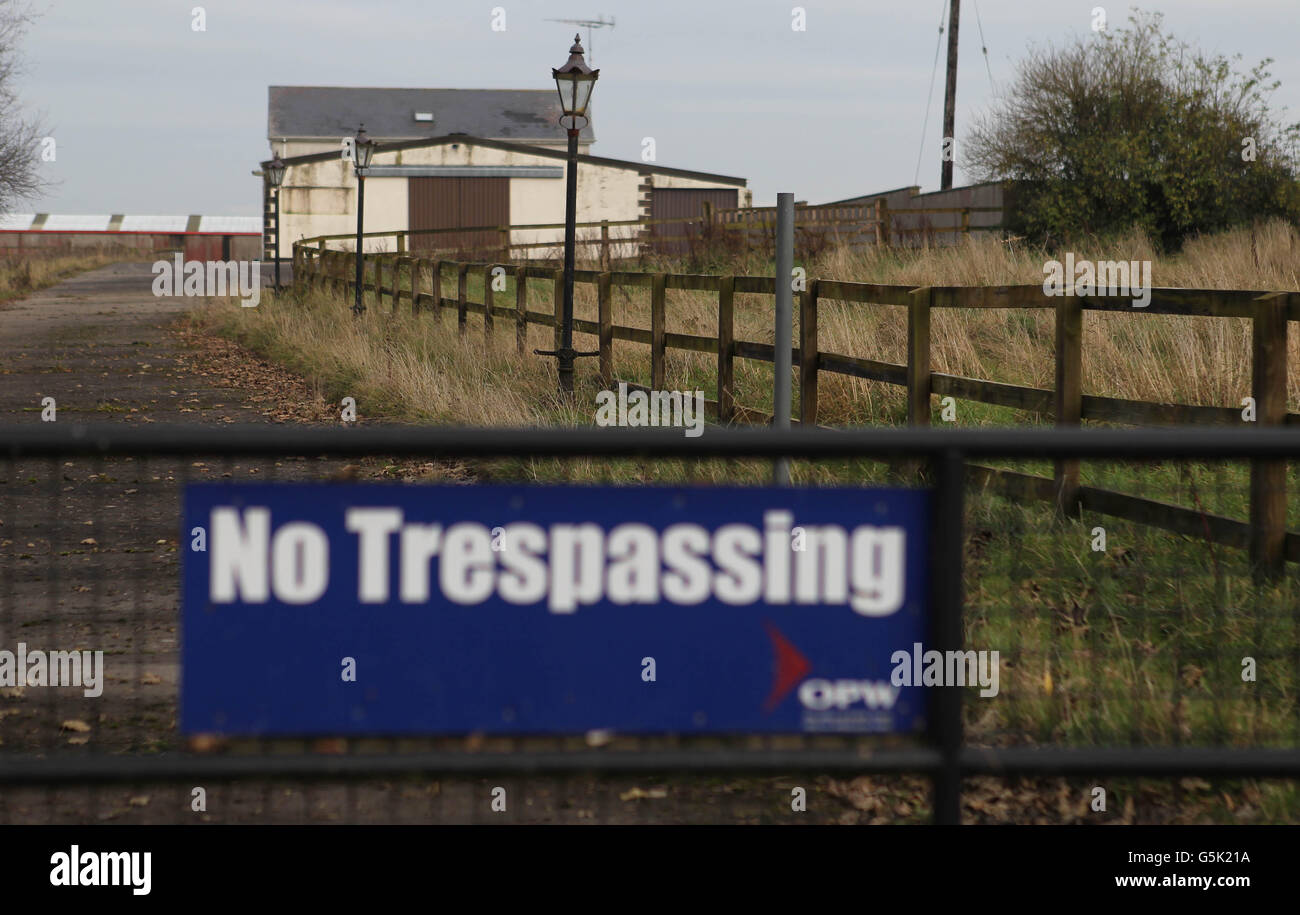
<point>402,276</point>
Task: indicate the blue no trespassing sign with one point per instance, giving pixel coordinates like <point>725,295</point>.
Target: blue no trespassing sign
<point>325,608</point>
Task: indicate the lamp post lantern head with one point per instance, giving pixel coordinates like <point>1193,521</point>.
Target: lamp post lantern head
<point>575,80</point>
<point>275,171</point>
<point>362,149</point>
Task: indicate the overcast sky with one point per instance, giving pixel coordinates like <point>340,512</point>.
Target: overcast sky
<point>151,116</point>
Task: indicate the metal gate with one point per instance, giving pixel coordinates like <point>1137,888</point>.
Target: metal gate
<point>45,738</point>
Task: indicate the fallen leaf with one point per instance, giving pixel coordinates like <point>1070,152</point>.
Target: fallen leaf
<point>205,743</point>
<point>150,679</point>
<point>140,800</point>
<point>90,541</point>
<point>637,794</point>
<point>75,724</point>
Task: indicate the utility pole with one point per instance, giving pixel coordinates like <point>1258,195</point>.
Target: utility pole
<point>950,97</point>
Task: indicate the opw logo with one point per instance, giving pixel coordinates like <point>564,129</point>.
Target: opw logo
<point>820,695</point>
<point>790,668</point>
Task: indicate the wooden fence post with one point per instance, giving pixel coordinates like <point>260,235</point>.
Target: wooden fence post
<point>401,242</point>
<point>808,355</point>
<point>487,301</point>
<point>658,324</point>
<point>417,265</point>
<point>965,222</point>
<point>1069,397</point>
<point>886,230</point>
<point>398,263</point>
<point>604,244</point>
<point>605,320</point>
<point>1268,477</point>
<point>726,349</point>
<point>521,308</point>
<point>505,243</point>
<point>435,289</point>
<point>379,279</point>
<point>462,290</point>
<point>918,357</point>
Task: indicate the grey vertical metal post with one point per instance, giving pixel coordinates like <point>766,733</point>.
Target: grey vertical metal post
<point>784,343</point>
<point>944,703</point>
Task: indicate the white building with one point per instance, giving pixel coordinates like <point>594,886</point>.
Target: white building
<point>451,158</point>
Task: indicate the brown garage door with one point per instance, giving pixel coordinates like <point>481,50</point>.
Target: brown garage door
<point>687,203</point>
<point>448,203</point>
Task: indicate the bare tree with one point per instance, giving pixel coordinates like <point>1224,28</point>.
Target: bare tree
<point>20,135</point>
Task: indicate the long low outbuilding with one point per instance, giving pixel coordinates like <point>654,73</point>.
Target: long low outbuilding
<point>198,237</point>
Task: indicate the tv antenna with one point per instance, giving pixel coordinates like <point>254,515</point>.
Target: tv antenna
<point>597,23</point>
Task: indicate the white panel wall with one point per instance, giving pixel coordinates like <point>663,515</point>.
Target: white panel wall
<point>319,198</point>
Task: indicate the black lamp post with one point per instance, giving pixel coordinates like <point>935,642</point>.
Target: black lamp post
<point>362,149</point>
<point>574,80</point>
<point>275,177</point>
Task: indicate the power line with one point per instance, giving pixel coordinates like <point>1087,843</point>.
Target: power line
<point>938,42</point>
<point>984,47</point>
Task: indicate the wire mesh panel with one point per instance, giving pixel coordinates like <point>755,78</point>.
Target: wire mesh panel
<point>1095,633</point>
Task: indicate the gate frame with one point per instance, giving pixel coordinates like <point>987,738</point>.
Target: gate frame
<point>942,755</point>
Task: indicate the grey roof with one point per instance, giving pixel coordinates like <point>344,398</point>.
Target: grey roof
<point>522,115</point>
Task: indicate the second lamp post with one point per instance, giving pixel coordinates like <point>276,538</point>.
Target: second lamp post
<point>275,177</point>
<point>362,149</point>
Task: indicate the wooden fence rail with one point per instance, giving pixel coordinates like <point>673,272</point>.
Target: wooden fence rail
<point>850,225</point>
<point>1265,535</point>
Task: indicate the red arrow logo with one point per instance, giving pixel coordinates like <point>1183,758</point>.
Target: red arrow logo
<point>789,668</point>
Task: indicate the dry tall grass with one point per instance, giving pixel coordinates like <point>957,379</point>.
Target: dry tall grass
<point>1159,358</point>
<point>1135,355</point>
<point>404,366</point>
<point>420,369</point>
<point>21,274</point>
